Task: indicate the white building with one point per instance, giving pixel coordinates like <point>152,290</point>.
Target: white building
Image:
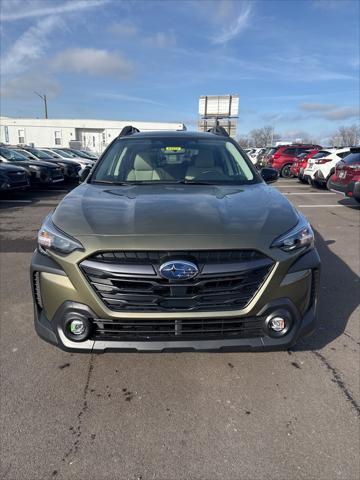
<point>92,135</point>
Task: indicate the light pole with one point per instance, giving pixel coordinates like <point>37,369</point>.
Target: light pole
<point>43,97</point>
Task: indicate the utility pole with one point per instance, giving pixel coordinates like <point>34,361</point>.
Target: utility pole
<point>43,97</point>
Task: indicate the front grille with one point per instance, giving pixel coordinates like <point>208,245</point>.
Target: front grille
<point>228,280</point>
<point>178,329</point>
<point>197,256</point>
<point>18,177</point>
<point>37,291</point>
<point>56,173</point>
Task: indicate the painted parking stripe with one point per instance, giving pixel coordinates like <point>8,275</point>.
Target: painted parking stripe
<point>309,193</point>
<point>328,206</point>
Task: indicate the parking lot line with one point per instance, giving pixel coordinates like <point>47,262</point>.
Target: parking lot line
<point>309,193</point>
<point>324,206</point>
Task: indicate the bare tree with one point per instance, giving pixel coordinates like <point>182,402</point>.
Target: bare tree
<point>264,137</point>
<point>346,136</point>
<point>244,141</point>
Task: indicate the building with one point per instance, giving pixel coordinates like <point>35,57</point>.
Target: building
<point>220,110</point>
<point>92,135</point>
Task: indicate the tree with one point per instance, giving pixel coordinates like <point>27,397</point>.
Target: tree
<point>244,141</point>
<point>346,136</point>
<point>264,137</point>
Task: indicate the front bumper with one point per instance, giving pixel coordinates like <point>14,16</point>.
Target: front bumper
<point>295,295</point>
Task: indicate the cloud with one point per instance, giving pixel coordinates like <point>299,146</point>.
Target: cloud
<point>126,29</point>
<point>30,46</point>
<point>93,61</point>
<point>130,98</point>
<point>23,86</point>
<point>329,111</point>
<point>233,30</point>
<point>17,9</point>
<point>343,113</point>
<point>317,107</point>
<point>161,40</point>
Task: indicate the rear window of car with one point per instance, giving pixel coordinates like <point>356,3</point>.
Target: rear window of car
<point>272,151</point>
<point>290,151</point>
<point>321,154</point>
<point>352,158</point>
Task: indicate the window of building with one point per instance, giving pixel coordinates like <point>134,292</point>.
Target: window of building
<point>57,137</point>
<point>21,135</point>
<point>6,134</point>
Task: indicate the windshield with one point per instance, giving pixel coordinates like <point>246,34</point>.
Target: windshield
<point>62,153</point>
<point>352,158</point>
<point>12,155</point>
<point>40,154</point>
<point>174,160</point>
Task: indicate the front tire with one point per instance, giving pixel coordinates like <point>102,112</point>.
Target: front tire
<point>285,171</point>
<point>328,181</point>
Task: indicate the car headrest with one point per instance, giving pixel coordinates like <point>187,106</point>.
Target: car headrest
<point>143,162</point>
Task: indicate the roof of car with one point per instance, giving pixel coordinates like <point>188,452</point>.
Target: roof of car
<point>172,133</point>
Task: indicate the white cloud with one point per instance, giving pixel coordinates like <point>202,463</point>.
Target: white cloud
<point>236,28</point>
<point>93,61</point>
<point>130,98</point>
<point>342,113</point>
<point>23,86</point>
<point>18,9</point>
<point>317,107</point>
<point>125,29</point>
<point>29,46</point>
<point>162,40</point>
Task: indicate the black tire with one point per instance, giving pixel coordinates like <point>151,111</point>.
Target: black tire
<point>285,171</point>
<point>301,180</point>
<point>328,181</point>
<point>357,199</point>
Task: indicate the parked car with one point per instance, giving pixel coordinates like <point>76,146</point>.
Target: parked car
<point>346,179</point>
<point>40,172</point>
<point>58,153</point>
<point>300,163</point>
<point>322,165</point>
<point>13,177</point>
<point>70,169</point>
<point>281,158</point>
<point>174,241</point>
<point>80,153</point>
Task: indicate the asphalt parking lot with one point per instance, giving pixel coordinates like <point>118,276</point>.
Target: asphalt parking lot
<point>278,415</point>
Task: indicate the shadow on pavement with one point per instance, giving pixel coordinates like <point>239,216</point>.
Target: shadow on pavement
<point>338,297</point>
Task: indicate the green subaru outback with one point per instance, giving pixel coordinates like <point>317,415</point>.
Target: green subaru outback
<point>174,241</point>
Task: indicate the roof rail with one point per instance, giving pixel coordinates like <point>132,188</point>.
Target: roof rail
<point>128,130</point>
<point>217,130</point>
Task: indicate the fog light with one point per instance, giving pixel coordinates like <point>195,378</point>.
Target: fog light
<point>77,327</point>
<point>277,324</point>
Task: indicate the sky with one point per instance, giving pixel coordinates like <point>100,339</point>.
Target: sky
<point>294,63</point>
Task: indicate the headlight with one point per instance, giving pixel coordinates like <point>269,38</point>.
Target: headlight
<point>50,237</point>
<point>301,236</point>
<point>35,167</point>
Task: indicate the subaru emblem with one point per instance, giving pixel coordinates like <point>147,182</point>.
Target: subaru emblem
<point>178,270</point>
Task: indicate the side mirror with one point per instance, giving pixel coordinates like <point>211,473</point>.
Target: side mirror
<point>270,175</point>
<point>84,174</point>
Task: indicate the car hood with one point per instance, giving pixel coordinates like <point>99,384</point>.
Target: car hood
<point>37,163</point>
<point>253,212</point>
<point>10,167</point>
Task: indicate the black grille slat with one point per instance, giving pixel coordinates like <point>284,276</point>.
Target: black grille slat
<point>215,288</point>
<point>178,329</point>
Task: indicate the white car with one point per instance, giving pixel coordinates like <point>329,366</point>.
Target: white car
<point>252,154</point>
<point>321,166</point>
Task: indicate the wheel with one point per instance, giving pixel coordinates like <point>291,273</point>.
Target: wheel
<point>357,199</point>
<point>285,171</point>
<point>328,181</point>
<point>301,180</point>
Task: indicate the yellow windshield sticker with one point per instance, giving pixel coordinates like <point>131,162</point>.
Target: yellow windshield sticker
<point>173,149</point>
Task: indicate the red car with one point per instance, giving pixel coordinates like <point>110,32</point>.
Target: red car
<point>346,179</point>
<point>281,158</point>
<point>300,163</point>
